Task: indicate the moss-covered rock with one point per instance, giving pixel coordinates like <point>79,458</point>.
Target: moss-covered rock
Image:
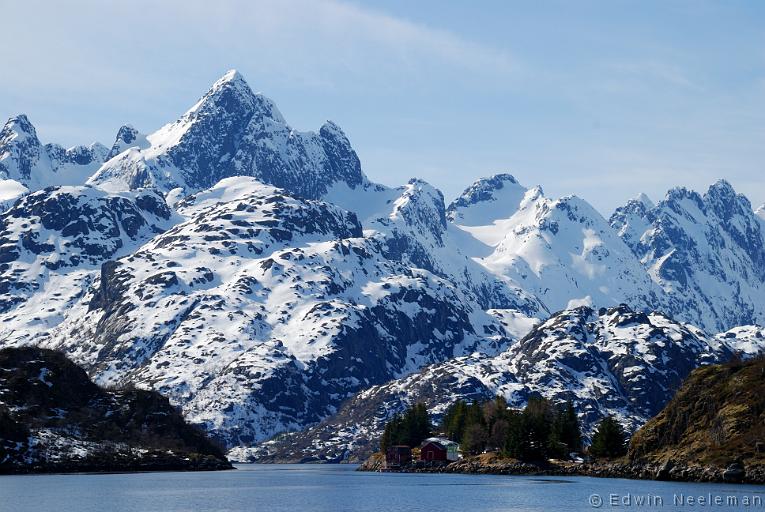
<point>716,420</point>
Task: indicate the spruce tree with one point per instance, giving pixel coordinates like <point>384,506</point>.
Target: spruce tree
<point>409,429</point>
<point>609,439</point>
<point>385,439</point>
<point>454,421</point>
<point>571,433</point>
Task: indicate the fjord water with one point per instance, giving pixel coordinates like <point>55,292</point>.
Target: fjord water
<point>338,488</point>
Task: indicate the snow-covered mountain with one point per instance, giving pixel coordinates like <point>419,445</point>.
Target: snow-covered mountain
<point>53,243</point>
<point>410,222</point>
<point>705,251</point>
<point>254,275</point>
<point>231,131</point>
<point>611,362</point>
<point>262,311</point>
<point>26,164</point>
<point>559,250</point>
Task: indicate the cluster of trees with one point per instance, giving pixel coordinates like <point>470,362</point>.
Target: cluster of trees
<point>410,428</point>
<point>540,431</point>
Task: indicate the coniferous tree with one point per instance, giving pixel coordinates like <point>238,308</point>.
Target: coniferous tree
<point>385,441</point>
<point>571,433</point>
<point>515,443</point>
<point>409,429</point>
<point>609,439</point>
<point>422,426</point>
<point>453,423</point>
<point>538,417</point>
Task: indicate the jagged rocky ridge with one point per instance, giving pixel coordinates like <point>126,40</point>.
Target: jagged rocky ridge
<point>53,418</point>
<point>231,131</point>
<point>559,250</point>
<point>25,159</point>
<point>255,276</point>
<point>705,251</point>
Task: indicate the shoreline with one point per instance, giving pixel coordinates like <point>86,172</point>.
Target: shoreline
<point>207,463</point>
<point>487,464</point>
<point>113,472</point>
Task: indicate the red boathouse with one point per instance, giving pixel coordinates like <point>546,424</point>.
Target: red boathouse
<point>437,448</point>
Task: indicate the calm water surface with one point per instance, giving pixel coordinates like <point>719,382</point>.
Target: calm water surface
<point>309,488</point>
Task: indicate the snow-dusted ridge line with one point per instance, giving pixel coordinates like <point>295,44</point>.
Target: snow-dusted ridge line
<point>560,250</point>
<point>26,164</point>
<point>706,252</point>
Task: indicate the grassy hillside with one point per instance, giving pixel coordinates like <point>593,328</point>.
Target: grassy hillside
<point>716,418</point>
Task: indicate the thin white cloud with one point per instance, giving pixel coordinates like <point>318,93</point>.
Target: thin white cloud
<point>306,40</point>
<point>671,74</point>
<point>132,56</point>
<point>314,41</point>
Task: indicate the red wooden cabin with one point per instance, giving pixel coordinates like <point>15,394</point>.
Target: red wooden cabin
<point>437,448</point>
<point>432,450</point>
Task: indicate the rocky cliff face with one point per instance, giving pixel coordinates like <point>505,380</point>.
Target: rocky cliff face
<point>54,418</point>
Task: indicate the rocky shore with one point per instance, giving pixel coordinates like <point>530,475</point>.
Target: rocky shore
<point>491,464</point>
<point>123,462</point>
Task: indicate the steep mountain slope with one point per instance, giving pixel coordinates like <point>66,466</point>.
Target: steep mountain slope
<point>706,252</point>
<point>52,244</point>
<point>410,224</point>
<point>487,201</point>
<point>53,418</point>
<point>232,131</point>
<point>561,251</point>
<point>25,160</point>
<point>615,361</point>
<point>262,311</point>
<point>716,418</point>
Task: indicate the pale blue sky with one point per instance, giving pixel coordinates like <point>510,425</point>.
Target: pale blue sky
<point>599,99</point>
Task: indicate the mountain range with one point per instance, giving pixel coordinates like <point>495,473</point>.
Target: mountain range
<point>255,276</point>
